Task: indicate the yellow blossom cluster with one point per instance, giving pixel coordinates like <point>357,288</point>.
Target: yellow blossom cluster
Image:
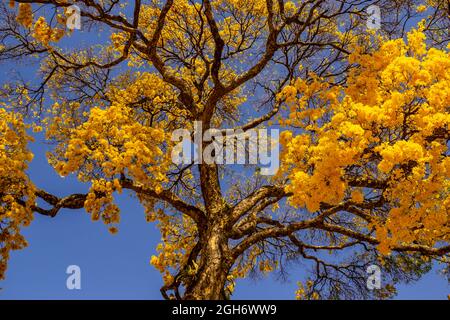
<point>16,190</point>
<point>25,14</point>
<point>390,124</point>
<point>305,292</point>
<point>421,8</point>
<point>397,153</point>
<point>44,33</point>
<point>109,145</point>
<point>178,239</point>
<point>256,7</point>
<point>100,202</point>
<point>145,86</point>
<point>41,31</point>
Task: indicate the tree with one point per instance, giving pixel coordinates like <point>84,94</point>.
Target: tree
<point>365,118</point>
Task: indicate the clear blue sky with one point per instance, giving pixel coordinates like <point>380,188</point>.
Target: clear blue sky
<point>117,267</point>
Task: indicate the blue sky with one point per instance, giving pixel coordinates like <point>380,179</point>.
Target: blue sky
<point>117,266</point>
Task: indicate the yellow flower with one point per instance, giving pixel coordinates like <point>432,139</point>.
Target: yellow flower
<point>421,8</point>
<point>25,15</point>
<point>113,230</point>
<point>357,196</point>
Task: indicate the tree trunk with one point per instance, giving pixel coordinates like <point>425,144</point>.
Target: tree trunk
<point>210,280</point>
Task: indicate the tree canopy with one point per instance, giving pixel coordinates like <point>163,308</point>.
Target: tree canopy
<point>363,114</point>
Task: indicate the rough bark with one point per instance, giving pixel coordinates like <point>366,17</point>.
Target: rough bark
<point>210,280</point>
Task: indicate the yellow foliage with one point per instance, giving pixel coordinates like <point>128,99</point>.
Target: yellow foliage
<point>25,14</point>
<point>16,191</point>
<point>389,126</point>
<point>44,33</point>
<point>113,142</point>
